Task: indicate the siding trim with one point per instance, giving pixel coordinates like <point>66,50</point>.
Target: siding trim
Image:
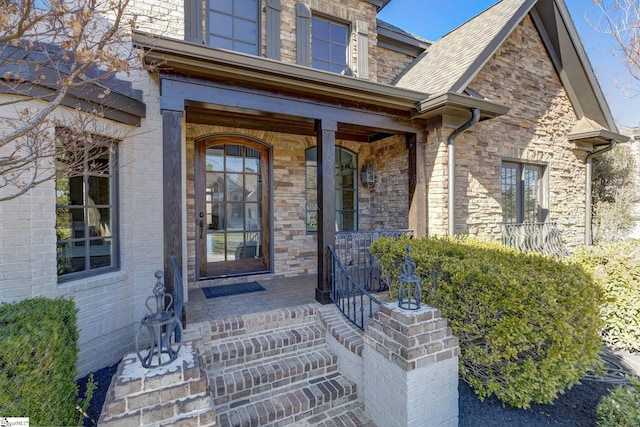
<point>193,21</point>
<point>303,34</point>
<point>273,29</point>
<point>362,37</point>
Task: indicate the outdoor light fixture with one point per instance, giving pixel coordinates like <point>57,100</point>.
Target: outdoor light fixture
<point>409,293</point>
<point>368,176</point>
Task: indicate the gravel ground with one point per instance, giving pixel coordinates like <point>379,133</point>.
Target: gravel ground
<point>577,407</point>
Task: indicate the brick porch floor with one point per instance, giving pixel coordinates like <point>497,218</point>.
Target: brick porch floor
<point>278,293</point>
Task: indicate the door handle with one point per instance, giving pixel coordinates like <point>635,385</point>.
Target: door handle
<point>201,224</point>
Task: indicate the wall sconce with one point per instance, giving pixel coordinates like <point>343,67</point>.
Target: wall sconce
<point>368,176</point>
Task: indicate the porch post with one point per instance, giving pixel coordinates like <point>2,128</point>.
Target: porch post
<point>326,141</point>
<point>417,184</point>
<point>172,191</point>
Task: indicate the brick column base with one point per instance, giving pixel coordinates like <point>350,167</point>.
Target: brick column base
<point>172,394</point>
<point>410,368</point>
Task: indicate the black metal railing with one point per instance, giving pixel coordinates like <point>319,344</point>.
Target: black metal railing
<point>355,274</point>
<point>352,250</point>
<point>351,298</point>
<point>542,237</point>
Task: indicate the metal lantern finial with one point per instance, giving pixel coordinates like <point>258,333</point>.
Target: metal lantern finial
<point>409,294</point>
<point>164,329</point>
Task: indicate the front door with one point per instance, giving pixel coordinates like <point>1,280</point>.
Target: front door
<point>232,207</point>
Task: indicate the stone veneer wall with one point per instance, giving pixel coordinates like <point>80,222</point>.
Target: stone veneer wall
<point>386,206</point>
<point>521,76</point>
<point>391,64</point>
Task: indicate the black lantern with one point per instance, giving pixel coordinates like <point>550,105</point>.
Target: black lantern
<point>409,294</point>
<point>368,176</point>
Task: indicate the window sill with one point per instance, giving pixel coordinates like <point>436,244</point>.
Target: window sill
<point>89,283</point>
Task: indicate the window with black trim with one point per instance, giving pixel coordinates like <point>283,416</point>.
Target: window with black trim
<point>329,45</point>
<point>86,210</point>
<point>234,25</point>
<point>346,171</point>
<point>523,193</point>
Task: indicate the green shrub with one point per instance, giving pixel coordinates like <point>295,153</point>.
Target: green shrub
<point>38,354</point>
<point>528,324</point>
<point>616,269</point>
<point>621,407</point>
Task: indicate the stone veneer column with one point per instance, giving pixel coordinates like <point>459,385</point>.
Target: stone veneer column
<point>410,368</point>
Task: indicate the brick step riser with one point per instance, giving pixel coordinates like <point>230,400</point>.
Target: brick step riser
<point>261,346</point>
<point>240,383</point>
<point>290,405</point>
<point>229,329</point>
<point>348,414</point>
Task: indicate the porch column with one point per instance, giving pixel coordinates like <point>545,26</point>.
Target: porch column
<point>326,141</point>
<point>172,191</point>
<point>417,184</point>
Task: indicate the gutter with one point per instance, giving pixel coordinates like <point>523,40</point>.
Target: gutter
<point>589,199</point>
<point>475,117</point>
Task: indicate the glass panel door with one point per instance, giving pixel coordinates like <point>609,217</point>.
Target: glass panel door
<point>233,239</point>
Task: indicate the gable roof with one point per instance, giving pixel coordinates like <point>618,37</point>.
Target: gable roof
<point>452,62</point>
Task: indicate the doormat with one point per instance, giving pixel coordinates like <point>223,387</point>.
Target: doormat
<point>235,289</point>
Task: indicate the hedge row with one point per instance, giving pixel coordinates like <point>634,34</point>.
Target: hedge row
<point>38,354</point>
<point>616,269</point>
<point>528,324</point>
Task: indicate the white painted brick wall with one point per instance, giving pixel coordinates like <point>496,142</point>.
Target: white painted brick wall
<point>349,364</point>
<point>425,396</point>
<point>110,305</point>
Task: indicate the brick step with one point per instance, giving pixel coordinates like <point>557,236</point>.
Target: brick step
<point>348,415</point>
<point>247,348</point>
<point>288,405</point>
<point>218,329</point>
<point>238,382</point>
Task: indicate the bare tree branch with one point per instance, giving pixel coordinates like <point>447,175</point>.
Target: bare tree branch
<point>48,58</point>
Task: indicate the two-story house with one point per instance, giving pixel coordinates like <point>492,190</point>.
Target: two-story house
<point>272,125</point>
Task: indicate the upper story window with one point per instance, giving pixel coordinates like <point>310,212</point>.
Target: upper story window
<point>234,25</point>
<point>523,193</point>
<point>329,45</point>
<point>86,212</point>
<point>346,189</point>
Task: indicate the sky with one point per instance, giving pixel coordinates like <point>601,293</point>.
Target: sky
<point>431,19</point>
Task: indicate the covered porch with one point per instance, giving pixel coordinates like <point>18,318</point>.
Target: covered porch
<point>269,115</point>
